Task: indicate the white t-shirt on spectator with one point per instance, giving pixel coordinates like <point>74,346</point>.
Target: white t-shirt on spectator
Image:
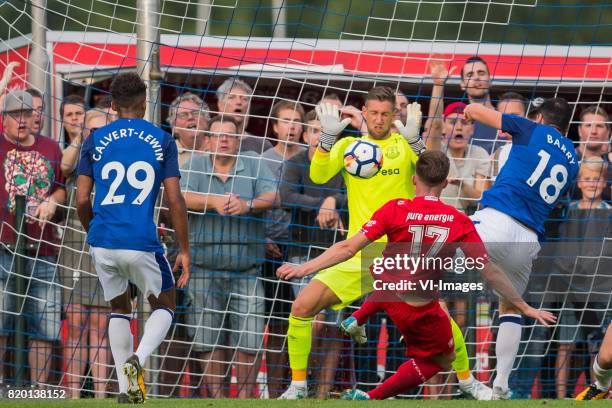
<point>476,161</point>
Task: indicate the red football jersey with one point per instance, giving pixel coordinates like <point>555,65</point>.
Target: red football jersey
<point>423,237</point>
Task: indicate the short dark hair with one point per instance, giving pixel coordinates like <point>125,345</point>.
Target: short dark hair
<point>72,99</point>
<point>104,102</point>
<point>34,92</point>
<point>474,58</point>
<point>282,105</point>
<point>595,110</point>
<point>310,116</point>
<point>556,112</point>
<point>514,96</point>
<point>432,167</point>
<point>128,89</point>
<point>381,94</point>
<point>223,119</point>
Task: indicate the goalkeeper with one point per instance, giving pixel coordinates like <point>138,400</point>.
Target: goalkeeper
<point>341,285</point>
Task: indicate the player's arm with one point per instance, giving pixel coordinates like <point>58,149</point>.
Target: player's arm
<point>337,253</point>
<point>484,115</point>
<point>178,215</point>
<point>502,285</point>
<point>473,248</point>
<point>84,187</point>
<point>326,165</point>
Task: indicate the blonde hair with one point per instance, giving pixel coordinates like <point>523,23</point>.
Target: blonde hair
<point>92,114</point>
<point>595,163</point>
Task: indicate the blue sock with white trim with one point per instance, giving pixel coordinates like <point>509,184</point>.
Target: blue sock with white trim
<point>155,331</point>
<point>121,344</point>
<point>506,348</point>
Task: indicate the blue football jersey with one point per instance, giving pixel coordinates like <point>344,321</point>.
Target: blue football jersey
<point>127,159</point>
<point>541,167</point>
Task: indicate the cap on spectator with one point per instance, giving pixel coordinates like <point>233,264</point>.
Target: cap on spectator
<point>17,100</point>
<point>455,107</point>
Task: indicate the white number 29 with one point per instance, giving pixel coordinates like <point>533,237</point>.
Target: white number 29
<point>551,181</point>
<point>145,185</point>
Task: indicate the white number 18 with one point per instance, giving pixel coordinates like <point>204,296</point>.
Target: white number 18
<point>552,180</point>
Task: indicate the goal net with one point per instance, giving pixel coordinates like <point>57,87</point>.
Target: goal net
<point>240,59</point>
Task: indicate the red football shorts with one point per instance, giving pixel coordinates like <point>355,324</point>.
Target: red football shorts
<point>426,329</point>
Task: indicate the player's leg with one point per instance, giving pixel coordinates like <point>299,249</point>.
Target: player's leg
<point>120,336</point>
<point>506,347</point>
<point>109,266</point>
<point>461,364</point>
<point>602,368</point>
<point>315,297</point>
<point>429,340</point>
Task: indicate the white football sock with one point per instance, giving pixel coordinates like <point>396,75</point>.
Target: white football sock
<point>121,344</point>
<point>506,348</point>
<point>155,331</point>
<point>604,377</point>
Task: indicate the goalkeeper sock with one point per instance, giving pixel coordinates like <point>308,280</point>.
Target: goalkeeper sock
<point>155,331</point>
<point>299,337</point>
<point>604,377</point>
<point>410,374</point>
<point>121,344</point>
<point>507,345</point>
<point>462,363</point>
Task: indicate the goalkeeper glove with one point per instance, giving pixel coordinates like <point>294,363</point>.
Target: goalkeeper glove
<point>410,130</point>
<point>331,125</point>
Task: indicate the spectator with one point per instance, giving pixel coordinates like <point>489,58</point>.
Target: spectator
<point>316,224</point>
<point>72,112</point>
<point>476,83</point>
<point>188,116</point>
<point>595,135</point>
<point>37,118</point>
<point>230,193</point>
<point>514,104</point>
<point>31,169</point>
<point>470,165</point>
<point>86,310</point>
<point>234,99</point>
<point>287,118</point>
<point>105,105</point>
<point>582,265</point>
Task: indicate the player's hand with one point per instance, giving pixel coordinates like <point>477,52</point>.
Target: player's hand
<point>182,261</point>
<point>45,211</point>
<point>289,271</point>
<point>544,317</point>
<point>331,125</point>
<point>235,206</point>
<point>411,129</point>
<point>439,72</point>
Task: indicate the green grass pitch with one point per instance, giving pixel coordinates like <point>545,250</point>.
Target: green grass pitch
<point>232,403</point>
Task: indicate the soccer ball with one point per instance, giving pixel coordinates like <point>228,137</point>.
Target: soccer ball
<point>363,159</point>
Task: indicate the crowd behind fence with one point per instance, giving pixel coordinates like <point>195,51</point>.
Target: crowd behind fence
<point>229,336</point>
